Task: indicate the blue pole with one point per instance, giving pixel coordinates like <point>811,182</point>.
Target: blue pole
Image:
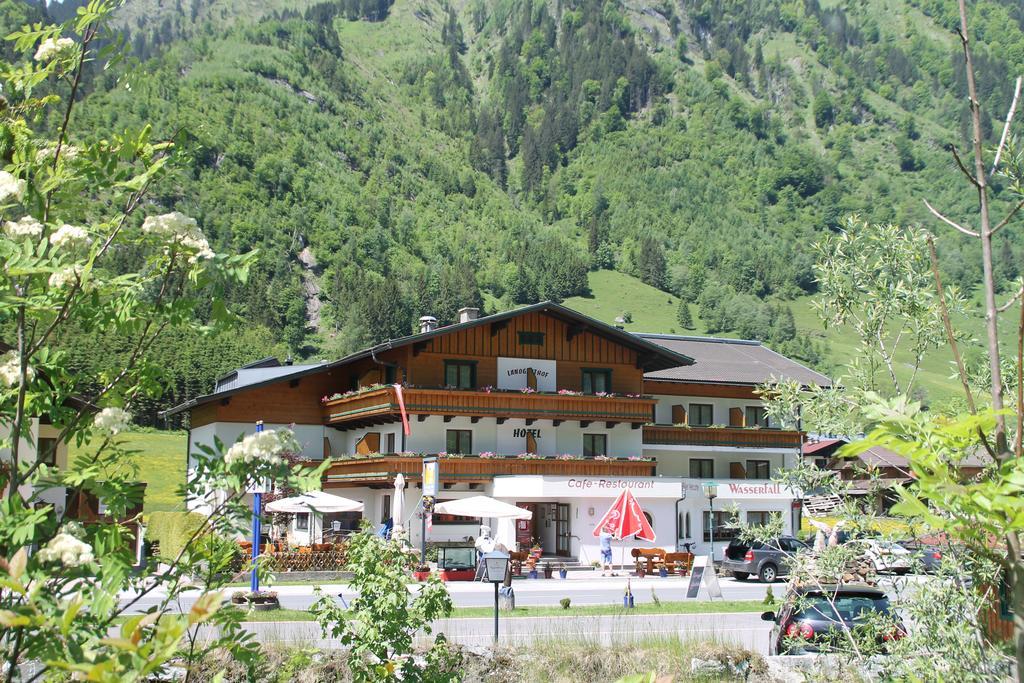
<point>257,500</point>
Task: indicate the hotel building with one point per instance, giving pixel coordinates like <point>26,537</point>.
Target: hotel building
<point>541,407</point>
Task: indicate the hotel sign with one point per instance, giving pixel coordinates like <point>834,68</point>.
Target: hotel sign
<point>520,373</point>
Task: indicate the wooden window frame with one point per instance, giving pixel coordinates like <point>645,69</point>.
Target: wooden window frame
<point>471,364</point>
<point>530,338</point>
<point>752,466</point>
<point>759,514</point>
<point>41,452</point>
<point>700,462</point>
<point>607,372</point>
<point>592,453</point>
<point>302,521</point>
<point>755,423</point>
<point>459,433</point>
<point>691,414</point>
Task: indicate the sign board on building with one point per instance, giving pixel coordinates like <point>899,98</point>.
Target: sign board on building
<point>430,477</point>
<point>537,486</point>
<point>519,373</point>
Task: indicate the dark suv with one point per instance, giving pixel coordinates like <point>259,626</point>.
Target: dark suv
<point>815,618</point>
<point>767,561</point>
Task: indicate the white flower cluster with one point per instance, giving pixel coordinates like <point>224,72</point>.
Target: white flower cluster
<point>26,226</point>
<point>65,277</point>
<point>182,230</point>
<point>51,48</point>
<point>67,153</point>
<point>70,237</point>
<point>262,447</point>
<point>11,187</point>
<point>112,420</point>
<point>67,550</point>
<point>10,370</point>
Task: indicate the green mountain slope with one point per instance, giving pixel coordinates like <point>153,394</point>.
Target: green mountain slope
<point>392,160</point>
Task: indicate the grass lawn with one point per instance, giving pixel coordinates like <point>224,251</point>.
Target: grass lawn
<point>160,459</point>
<point>687,607</point>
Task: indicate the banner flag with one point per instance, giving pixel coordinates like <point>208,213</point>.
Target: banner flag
<point>401,407</point>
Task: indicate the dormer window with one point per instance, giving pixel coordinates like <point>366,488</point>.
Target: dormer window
<point>531,339</point>
<point>597,381</point>
<point>460,374</point>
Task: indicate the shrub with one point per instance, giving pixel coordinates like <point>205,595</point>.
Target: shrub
<point>565,602</point>
<point>172,531</point>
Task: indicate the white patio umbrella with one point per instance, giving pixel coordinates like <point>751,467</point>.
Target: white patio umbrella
<point>398,506</point>
<point>482,506</point>
<point>316,503</point>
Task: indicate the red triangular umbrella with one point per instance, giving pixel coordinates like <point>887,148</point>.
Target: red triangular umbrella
<point>626,518</point>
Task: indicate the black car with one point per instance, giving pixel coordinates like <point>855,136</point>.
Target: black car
<point>811,617</point>
<point>930,556</point>
<point>766,561</point>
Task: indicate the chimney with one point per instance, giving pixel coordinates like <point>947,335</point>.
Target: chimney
<point>467,314</point>
<point>428,323</point>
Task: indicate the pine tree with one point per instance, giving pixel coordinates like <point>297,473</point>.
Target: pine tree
<point>683,315</point>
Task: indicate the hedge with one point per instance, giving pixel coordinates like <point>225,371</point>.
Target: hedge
<point>172,530</point>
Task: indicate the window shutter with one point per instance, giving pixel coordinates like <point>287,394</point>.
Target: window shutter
<point>735,417</point>
<point>736,471</point>
<point>531,380</point>
<point>678,415</point>
<point>369,443</point>
<point>531,444</point>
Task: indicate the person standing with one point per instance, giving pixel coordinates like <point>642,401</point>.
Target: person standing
<point>606,552</point>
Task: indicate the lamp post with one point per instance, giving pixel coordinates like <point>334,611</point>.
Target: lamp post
<point>495,566</point>
<point>711,491</point>
<point>257,505</point>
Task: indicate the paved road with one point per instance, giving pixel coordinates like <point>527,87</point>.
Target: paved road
<point>746,630</point>
<point>587,590</point>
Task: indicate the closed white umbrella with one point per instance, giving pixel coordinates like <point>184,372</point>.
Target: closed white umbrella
<point>482,506</point>
<point>398,506</point>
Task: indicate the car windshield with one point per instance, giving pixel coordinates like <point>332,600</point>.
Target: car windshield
<point>850,607</point>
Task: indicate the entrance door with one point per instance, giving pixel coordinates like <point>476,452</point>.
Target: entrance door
<point>563,534</point>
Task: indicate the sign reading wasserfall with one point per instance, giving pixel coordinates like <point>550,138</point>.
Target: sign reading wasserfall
<point>517,373</point>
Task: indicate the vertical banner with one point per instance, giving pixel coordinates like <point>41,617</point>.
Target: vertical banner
<point>401,408</point>
<point>430,477</point>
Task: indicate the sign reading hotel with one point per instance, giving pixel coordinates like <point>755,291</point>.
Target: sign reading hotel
<point>520,373</point>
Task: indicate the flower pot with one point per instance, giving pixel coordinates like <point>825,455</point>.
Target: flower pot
<point>641,573</point>
<point>627,601</point>
<point>421,576</point>
<point>663,573</point>
<point>562,573</point>
<point>532,574</point>
<point>548,573</point>
<point>266,605</point>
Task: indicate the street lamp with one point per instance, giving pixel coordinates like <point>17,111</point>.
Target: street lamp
<point>495,568</point>
<point>711,491</point>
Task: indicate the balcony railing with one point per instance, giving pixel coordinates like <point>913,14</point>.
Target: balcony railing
<point>382,404</point>
<point>383,468</point>
<point>737,437</point>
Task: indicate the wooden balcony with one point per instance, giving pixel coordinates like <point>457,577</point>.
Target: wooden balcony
<point>733,437</point>
<point>381,469</point>
<point>381,405</point>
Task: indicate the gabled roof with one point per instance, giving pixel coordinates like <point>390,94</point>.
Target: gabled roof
<point>729,361</point>
<point>269,370</point>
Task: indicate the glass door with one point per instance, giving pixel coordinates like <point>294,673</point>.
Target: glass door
<point>563,535</point>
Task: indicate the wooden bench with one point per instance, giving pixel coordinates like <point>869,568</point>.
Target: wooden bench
<point>653,556</point>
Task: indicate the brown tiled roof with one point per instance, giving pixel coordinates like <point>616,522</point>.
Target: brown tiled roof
<point>880,457</point>
<point>729,361</point>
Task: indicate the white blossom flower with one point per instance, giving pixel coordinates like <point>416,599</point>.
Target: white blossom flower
<point>11,187</point>
<point>51,48</point>
<point>112,420</point>
<point>67,550</point>
<point>10,369</point>
<point>262,447</point>
<point>26,226</point>
<point>67,153</point>
<point>182,230</point>
<point>70,236</point>
<point>66,276</point>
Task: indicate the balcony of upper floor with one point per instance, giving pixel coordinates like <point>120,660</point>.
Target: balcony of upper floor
<point>380,404</point>
<point>720,436</point>
<point>382,468</point>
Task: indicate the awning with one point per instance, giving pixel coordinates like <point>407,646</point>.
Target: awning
<point>482,506</point>
<point>315,501</point>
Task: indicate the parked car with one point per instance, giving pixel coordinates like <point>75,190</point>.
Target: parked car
<point>813,616</point>
<point>930,556</point>
<point>887,556</point>
<point>766,561</point>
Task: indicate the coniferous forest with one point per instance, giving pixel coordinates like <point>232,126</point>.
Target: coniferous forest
<point>394,159</point>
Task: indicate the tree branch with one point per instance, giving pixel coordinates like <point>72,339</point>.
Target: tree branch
<point>1006,127</point>
<point>969,233</point>
<point>960,163</point>
<point>1013,299</point>
<point>1009,216</point>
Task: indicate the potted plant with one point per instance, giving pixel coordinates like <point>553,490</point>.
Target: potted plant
<point>259,601</point>
<point>681,568</point>
<point>641,570</point>
<point>421,572</point>
<point>563,571</point>
<point>596,565</point>
<point>549,571</point>
<point>662,570</point>
<point>531,568</point>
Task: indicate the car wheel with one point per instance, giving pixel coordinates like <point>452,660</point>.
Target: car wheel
<point>768,573</point>
<point>740,576</point>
